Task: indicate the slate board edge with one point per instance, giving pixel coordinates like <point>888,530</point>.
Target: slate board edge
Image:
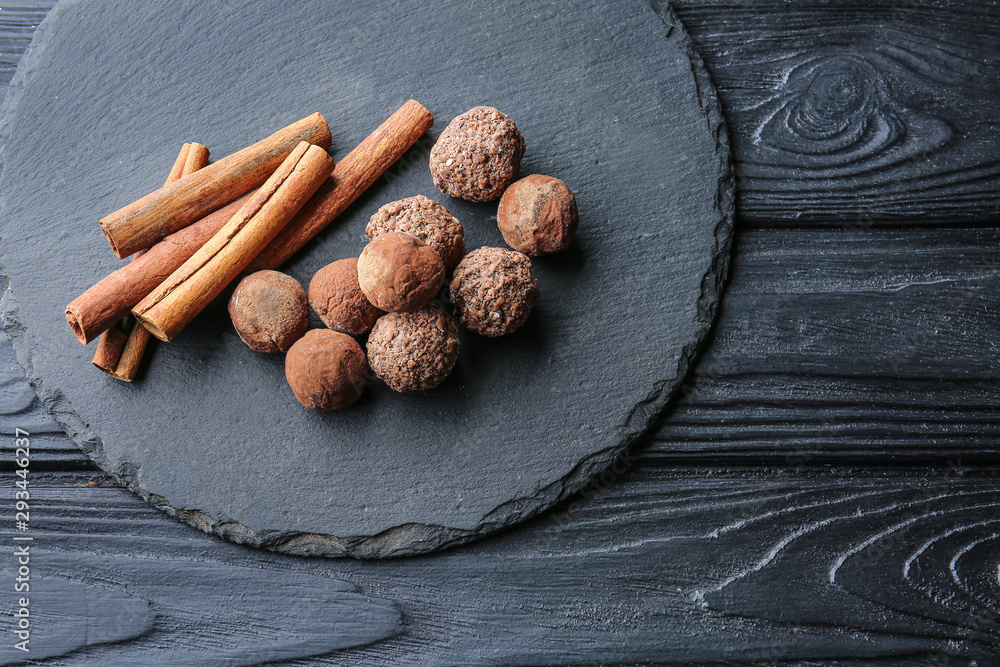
<point>413,538</point>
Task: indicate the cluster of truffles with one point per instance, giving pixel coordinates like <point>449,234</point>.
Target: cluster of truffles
<point>426,219</point>
<point>388,293</point>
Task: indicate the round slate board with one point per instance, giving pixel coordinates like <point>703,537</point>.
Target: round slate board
<point>610,97</point>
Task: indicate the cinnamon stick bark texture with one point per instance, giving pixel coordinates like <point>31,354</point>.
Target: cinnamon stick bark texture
<point>147,221</point>
<point>176,172</point>
<point>172,305</point>
<point>354,174</point>
<point>118,355</point>
<point>195,159</point>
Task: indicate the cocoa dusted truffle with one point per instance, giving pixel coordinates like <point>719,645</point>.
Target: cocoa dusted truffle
<point>414,351</point>
<point>269,310</point>
<point>537,215</point>
<point>426,219</point>
<point>398,272</point>
<point>326,370</point>
<point>337,298</point>
<point>477,155</point>
<point>493,291</point>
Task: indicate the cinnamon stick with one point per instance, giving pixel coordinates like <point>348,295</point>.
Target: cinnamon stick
<point>132,352</point>
<point>354,174</point>
<point>191,158</point>
<point>119,355</point>
<point>109,349</point>
<point>172,305</point>
<point>97,309</point>
<point>145,222</point>
<point>101,306</point>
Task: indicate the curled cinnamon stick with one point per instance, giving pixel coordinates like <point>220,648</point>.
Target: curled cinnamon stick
<point>109,348</point>
<point>117,354</point>
<point>132,353</point>
<point>145,222</point>
<point>172,305</point>
<point>354,174</point>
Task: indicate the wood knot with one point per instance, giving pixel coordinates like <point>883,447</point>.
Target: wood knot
<point>836,96</point>
<point>837,110</point>
<point>833,104</point>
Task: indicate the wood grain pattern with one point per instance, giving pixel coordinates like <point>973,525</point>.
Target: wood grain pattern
<point>852,113</point>
<point>803,566</point>
<point>20,409</point>
<point>74,615</point>
<point>873,349</point>
<point>160,611</point>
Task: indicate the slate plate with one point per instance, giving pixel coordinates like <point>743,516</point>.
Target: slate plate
<point>611,98</point>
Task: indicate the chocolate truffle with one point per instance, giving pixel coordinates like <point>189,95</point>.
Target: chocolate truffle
<point>477,155</point>
<point>414,351</point>
<point>493,291</point>
<point>398,272</point>
<point>426,219</point>
<point>537,215</point>
<point>337,298</point>
<point>269,310</point>
<point>326,370</point>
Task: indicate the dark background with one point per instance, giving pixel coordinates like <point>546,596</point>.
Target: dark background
<point>824,491</point>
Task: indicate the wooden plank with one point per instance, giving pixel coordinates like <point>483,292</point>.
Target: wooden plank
<point>793,420</point>
<point>20,409</point>
<point>857,345</point>
<point>873,345</point>
<point>779,565</point>
<point>897,118</point>
<point>856,113</point>
<point>916,304</point>
<point>182,612</point>
<point>68,619</point>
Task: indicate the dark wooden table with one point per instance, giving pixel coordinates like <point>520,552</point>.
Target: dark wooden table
<point>824,490</point>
